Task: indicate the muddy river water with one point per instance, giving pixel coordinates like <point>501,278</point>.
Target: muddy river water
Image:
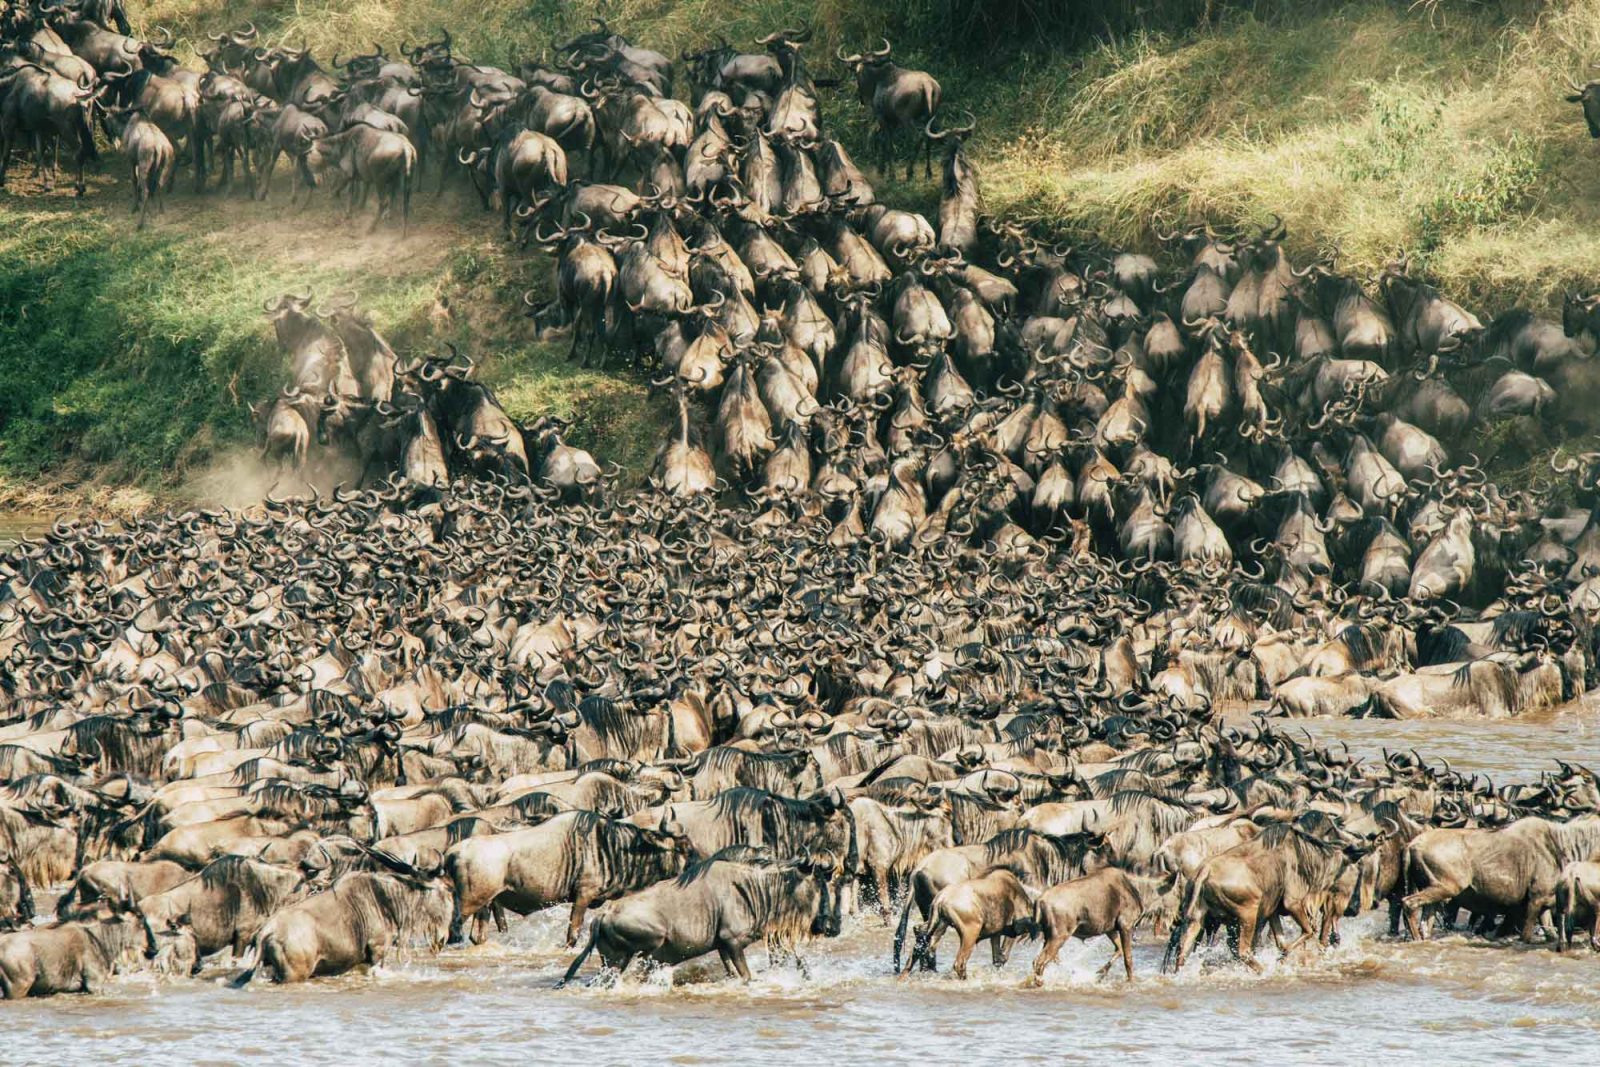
<point>1370,1000</point>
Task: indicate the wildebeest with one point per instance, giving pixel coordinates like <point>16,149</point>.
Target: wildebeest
<point>1511,871</point>
<point>356,922</point>
<point>577,857</point>
<point>724,903</point>
<point>73,957</point>
<point>1107,902</point>
<point>900,99</point>
<point>995,906</point>
<point>1288,869</point>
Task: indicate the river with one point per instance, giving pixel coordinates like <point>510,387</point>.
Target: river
<point>1370,1000</point>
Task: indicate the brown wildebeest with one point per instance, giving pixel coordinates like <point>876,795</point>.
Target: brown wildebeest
<point>996,906</point>
<point>1109,901</point>
<point>1288,869</point>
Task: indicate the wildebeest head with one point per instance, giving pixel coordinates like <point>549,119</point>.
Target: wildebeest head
<point>292,318</point>
<point>1589,96</point>
<point>1580,312</point>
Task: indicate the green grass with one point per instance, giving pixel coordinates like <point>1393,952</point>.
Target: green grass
<point>1436,127</point>
<point>131,357</point>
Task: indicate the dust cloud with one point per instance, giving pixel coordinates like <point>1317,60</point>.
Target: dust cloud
<point>239,479</point>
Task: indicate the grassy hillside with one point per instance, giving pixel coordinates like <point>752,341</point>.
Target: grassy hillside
<point>1438,127</point>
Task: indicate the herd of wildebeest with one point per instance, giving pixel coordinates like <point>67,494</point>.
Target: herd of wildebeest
<point>943,601</point>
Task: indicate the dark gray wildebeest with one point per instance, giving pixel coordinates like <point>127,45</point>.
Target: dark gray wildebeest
<point>119,880</point>
<point>150,159</point>
<point>226,904</point>
<point>1588,95</point>
<point>474,427</point>
<point>317,363</point>
<point>1577,904</point>
<point>726,904</point>
<point>960,201</point>
<point>370,159</point>
<point>576,857</point>
<point>285,428</point>
<point>520,165</point>
<point>292,132</point>
<point>73,957</point>
<point>355,923</point>
<point>1511,871</point>
<point>45,108</point>
<point>371,359</point>
<point>900,99</point>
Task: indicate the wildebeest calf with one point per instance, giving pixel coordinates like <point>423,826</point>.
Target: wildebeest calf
<point>995,906</point>
<point>1110,901</point>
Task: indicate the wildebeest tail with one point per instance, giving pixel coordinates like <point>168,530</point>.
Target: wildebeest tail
<point>244,977</point>
<point>577,964</point>
<point>900,930</point>
<point>25,909</point>
<point>1561,911</point>
<point>450,869</point>
<point>1191,899</point>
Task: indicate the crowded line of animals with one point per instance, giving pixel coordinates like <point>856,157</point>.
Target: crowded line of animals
<point>931,608</point>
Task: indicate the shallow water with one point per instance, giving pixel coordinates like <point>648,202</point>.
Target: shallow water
<point>1370,1000</point>
<point>1366,1001</point>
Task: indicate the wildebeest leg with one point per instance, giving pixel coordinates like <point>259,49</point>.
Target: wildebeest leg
<point>1300,913</point>
<point>736,951</point>
<point>1054,939</point>
<point>1275,926</point>
<point>405,203</point>
<point>1246,948</point>
<point>499,913</point>
<point>1531,914</point>
<point>94,976</point>
<point>1125,935</point>
<point>246,166</point>
<point>39,162</point>
<point>1000,949</point>
<point>142,194</point>
<point>1415,902</point>
<point>969,941</point>
<point>349,201</point>
<point>263,184</point>
<point>927,940</point>
<point>580,907</point>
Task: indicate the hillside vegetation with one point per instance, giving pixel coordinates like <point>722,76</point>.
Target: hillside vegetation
<point>1436,126</point>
